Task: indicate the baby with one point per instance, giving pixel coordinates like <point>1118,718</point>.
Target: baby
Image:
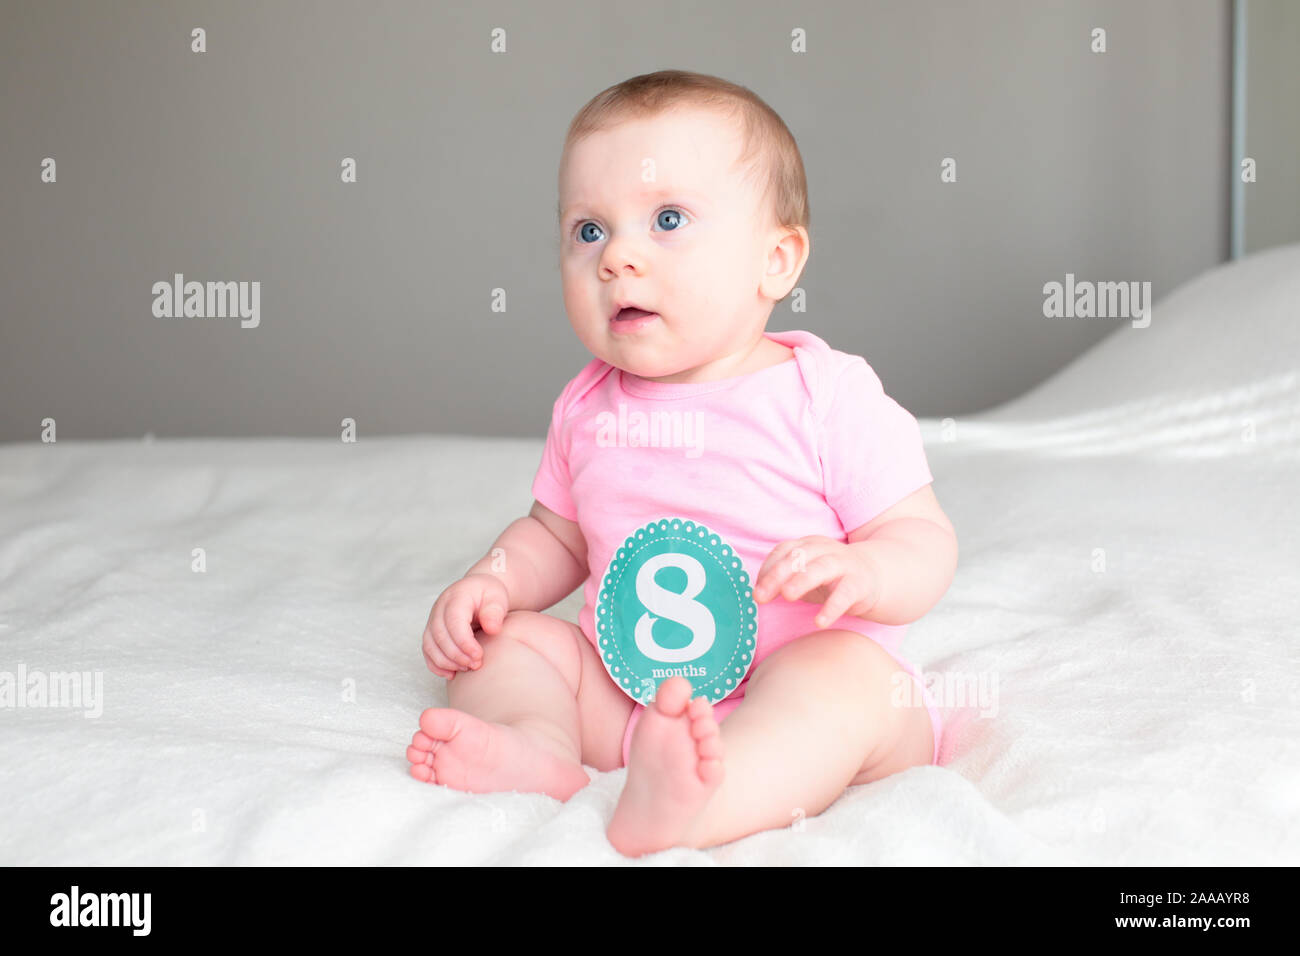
<point>750,513</point>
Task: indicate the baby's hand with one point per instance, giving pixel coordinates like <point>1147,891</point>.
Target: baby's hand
<point>818,569</point>
<point>449,645</point>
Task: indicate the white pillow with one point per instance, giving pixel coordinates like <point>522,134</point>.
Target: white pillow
<point>1230,336</point>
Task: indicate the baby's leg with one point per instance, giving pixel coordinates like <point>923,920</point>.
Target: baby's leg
<point>817,715</point>
<point>538,707</point>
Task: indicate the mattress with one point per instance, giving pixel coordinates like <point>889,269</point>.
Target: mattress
<point>228,632</point>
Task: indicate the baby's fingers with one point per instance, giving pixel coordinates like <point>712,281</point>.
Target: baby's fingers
<point>461,646</point>
<point>491,615</point>
<point>838,603</point>
<point>445,653</point>
<point>773,560</point>
<point>823,571</point>
<point>434,658</point>
<point>447,669</point>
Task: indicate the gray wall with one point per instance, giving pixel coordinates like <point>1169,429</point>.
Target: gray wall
<point>376,296</point>
<point>1272,202</point>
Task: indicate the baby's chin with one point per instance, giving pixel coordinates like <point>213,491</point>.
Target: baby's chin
<point>649,369</point>
<point>643,357</point>
<point>655,353</point>
<point>633,364</point>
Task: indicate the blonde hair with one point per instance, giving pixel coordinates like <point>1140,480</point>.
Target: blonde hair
<point>769,151</point>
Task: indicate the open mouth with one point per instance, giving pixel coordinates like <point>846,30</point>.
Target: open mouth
<point>631,320</point>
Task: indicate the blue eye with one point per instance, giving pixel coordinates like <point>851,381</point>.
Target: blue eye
<point>674,219</point>
<point>669,220</point>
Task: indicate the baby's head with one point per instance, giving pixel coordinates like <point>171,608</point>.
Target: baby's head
<point>683,195</point>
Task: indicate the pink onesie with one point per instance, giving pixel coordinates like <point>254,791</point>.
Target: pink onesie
<point>811,446</point>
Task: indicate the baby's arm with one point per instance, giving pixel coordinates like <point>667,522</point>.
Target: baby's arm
<point>893,569</point>
<point>912,548</point>
<point>539,558</point>
<point>535,562</point>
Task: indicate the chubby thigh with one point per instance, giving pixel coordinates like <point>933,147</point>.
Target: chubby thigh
<point>605,713</point>
<point>603,709</point>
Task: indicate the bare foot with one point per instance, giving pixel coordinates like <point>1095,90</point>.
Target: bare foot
<point>674,765</point>
<point>460,751</point>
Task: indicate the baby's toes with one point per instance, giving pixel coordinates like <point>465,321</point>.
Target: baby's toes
<point>420,754</point>
<point>423,741</point>
<point>702,727</point>
<point>711,771</point>
<point>703,723</point>
<point>708,744</point>
<point>700,707</point>
<point>439,724</point>
<point>705,731</point>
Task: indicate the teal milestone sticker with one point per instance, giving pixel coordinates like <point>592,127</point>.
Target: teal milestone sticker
<point>675,599</point>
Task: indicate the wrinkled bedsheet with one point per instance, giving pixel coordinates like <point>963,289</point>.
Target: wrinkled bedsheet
<point>1118,659</point>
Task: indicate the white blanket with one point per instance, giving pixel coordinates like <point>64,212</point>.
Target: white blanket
<point>1128,591</point>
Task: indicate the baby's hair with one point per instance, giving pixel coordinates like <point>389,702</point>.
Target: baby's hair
<point>769,150</point>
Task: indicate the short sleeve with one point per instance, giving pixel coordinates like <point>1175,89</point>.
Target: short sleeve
<point>551,485</point>
<point>870,446</point>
